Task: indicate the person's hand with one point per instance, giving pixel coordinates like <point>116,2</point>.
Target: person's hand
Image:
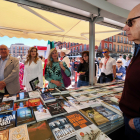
<point>131,124</point>
<point>2,85</point>
<point>82,73</point>
<point>118,97</point>
<point>58,83</point>
<point>61,65</point>
<point>114,80</point>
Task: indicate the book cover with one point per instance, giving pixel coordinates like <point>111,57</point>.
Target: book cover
<point>19,133</point>
<point>54,91</point>
<point>68,107</point>
<point>35,102</point>
<point>23,96</point>
<point>107,112</point>
<point>61,128</point>
<point>94,116</point>
<point>77,120</point>
<point>34,94</point>
<point>34,83</point>
<point>44,90</point>
<point>4,135</point>
<point>9,97</point>
<point>47,97</point>
<point>55,108</point>
<point>25,115</point>
<point>41,113</point>
<point>7,120</point>
<point>20,104</point>
<point>38,131</point>
<point>6,106</point>
<point>91,133</point>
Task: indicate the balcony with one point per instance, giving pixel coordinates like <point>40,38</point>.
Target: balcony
<point>119,41</point>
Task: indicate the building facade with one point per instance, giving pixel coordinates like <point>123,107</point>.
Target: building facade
<point>18,49</point>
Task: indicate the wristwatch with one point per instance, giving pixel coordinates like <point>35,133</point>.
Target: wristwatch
<point>114,78</point>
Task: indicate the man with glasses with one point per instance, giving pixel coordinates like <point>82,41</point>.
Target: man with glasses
<point>9,72</point>
<point>130,100</point>
<point>108,68</point>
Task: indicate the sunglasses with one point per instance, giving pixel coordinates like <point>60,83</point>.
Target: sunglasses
<point>104,52</point>
<point>129,21</point>
<point>119,62</point>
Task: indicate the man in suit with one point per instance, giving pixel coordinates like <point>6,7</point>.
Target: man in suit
<point>9,72</point>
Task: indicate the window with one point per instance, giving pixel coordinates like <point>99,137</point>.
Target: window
<point>114,38</point>
<point>121,33</point>
<point>118,47</point>
<point>118,38</point>
<point>114,47</point>
<point>99,48</point>
<point>124,40</point>
<point>124,48</point>
<point>21,48</point>
<point>65,45</point>
<point>127,40</point>
<point>80,48</point>
<point>68,45</point>
<point>71,50</point>
<point>77,49</point>
<point>17,48</point>
<point>74,49</point>
<point>110,47</point>
<point>121,48</point>
<point>129,49</point>
<point>105,45</point>
<point>121,39</point>
<point>110,39</point>
<point>71,44</point>
<point>85,47</point>
<point>106,39</point>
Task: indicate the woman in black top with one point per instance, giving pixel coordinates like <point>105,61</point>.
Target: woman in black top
<point>83,69</point>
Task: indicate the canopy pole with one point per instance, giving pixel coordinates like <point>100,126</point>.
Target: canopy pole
<point>92,52</point>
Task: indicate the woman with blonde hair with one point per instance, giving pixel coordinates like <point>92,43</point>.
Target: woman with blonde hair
<point>32,69</point>
<point>53,70</point>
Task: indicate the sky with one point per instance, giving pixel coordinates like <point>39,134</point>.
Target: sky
<point>29,42</point>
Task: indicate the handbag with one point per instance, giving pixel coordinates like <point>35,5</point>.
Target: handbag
<point>66,79</point>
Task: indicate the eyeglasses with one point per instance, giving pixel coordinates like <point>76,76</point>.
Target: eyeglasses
<point>129,21</point>
<point>104,52</point>
<point>119,62</point>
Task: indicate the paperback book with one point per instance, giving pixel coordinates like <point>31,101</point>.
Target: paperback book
<point>20,104</point>
<point>4,135</point>
<point>94,116</point>
<point>41,113</point>
<point>25,115</point>
<point>35,102</point>
<point>47,97</point>
<point>55,109</point>
<point>34,94</point>
<point>91,132</point>
<point>38,131</point>
<point>61,128</point>
<point>54,91</point>
<point>23,96</point>
<point>7,120</point>
<point>77,120</point>
<point>6,106</point>
<point>9,97</point>
<point>19,133</point>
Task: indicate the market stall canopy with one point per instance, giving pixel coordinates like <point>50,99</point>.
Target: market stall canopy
<point>22,21</point>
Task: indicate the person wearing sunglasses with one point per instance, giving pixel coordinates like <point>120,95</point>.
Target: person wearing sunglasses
<point>130,100</point>
<point>108,68</point>
<point>120,70</point>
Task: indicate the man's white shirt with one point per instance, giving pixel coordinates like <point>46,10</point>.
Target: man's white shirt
<point>66,60</point>
<point>109,65</point>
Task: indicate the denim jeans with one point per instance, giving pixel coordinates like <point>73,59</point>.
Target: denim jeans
<point>129,132</point>
<point>106,80</point>
<point>82,83</point>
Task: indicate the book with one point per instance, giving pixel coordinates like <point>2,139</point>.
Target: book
<point>94,116</point>
<point>34,94</point>
<point>38,131</point>
<point>44,90</point>
<point>7,120</point>
<point>34,83</point>
<point>47,97</point>
<point>25,115</point>
<point>54,91</point>
<point>41,113</point>
<point>35,102</point>
<point>23,96</point>
<point>61,128</point>
<point>4,135</point>
<point>19,133</point>
<point>6,106</point>
<point>9,97</point>
<point>77,120</point>
<point>77,93</point>
<point>55,109</point>
<point>67,106</point>
<point>91,132</point>
<point>20,104</point>
<point>107,112</point>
